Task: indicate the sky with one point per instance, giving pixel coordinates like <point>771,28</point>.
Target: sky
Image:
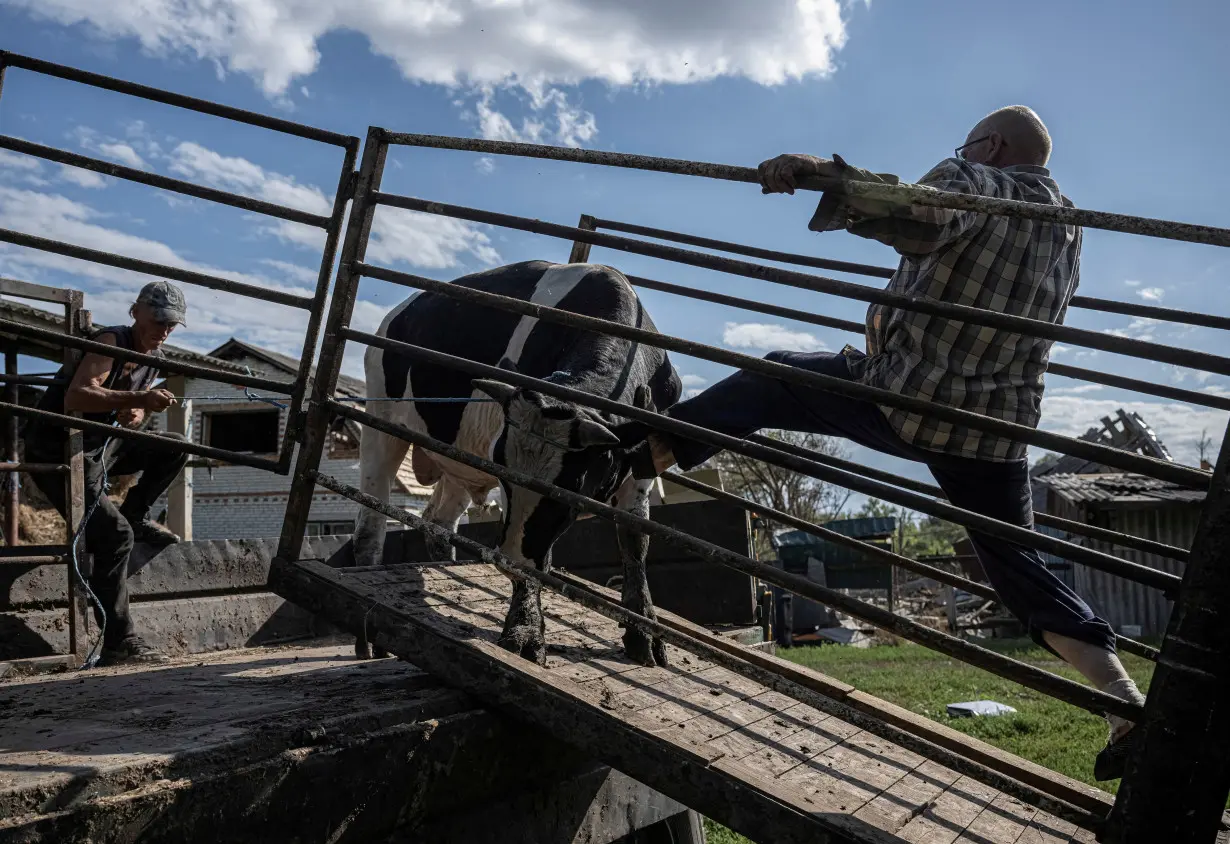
<point>1132,93</point>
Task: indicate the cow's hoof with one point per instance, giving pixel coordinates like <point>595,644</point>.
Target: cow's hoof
<point>644,649</point>
<point>525,642</point>
<point>362,649</point>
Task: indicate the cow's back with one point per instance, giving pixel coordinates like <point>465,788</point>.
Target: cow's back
<point>501,338</point>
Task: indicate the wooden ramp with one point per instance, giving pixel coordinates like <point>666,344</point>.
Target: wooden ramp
<point>751,758</point>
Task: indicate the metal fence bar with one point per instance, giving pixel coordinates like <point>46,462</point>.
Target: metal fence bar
<point>764,676</point>
<point>1019,672</point>
<point>941,509</point>
<point>34,468</point>
<point>163,364</point>
<point>1148,546</point>
<point>821,284</point>
<point>33,380</point>
<point>1089,303</point>
<point>143,177</point>
<point>120,86</point>
<point>61,420</point>
<point>871,550</point>
<point>1150,466</point>
<point>904,194</point>
<point>1146,387</point>
<point>123,262</point>
<point>337,219</point>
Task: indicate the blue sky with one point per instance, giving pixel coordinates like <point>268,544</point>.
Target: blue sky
<point>1133,95</point>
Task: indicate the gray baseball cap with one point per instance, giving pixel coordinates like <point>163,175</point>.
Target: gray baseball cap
<point>167,300</point>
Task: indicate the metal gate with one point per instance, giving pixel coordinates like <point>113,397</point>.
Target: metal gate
<point>1184,718</point>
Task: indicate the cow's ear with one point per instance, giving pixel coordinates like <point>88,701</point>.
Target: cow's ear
<point>497,390</point>
<point>589,434</point>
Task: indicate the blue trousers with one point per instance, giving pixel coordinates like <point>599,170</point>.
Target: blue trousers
<point>747,402</point>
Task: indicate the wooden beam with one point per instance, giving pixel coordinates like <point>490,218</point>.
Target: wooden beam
<point>580,251</point>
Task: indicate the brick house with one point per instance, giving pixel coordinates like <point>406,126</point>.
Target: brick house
<point>238,502</point>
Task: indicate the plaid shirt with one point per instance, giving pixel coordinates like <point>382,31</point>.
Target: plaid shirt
<point>1007,265</point>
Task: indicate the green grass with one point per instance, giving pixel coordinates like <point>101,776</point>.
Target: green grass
<point>1043,730</point>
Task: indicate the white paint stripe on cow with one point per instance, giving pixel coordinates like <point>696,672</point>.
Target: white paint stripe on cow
<point>555,284</point>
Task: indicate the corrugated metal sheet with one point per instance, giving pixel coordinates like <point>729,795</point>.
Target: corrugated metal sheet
<point>1119,488</point>
<point>1122,602</point>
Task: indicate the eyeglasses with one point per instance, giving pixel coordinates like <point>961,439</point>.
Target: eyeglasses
<point>961,155</point>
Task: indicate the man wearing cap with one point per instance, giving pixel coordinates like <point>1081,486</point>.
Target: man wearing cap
<point>118,392</point>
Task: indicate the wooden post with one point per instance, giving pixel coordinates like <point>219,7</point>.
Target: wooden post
<point>580,251</point>
<point>74,458</point>
<point>1176,783</point>
<point>12,499</point>
<point>179,496</point>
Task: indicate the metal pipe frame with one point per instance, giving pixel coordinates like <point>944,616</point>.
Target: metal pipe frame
<point>888,557</point>
<point>1147,546</point>
<point>108,259</point>
<point>1160,469</point>
<point>63,421</point>
<point>1089,303</point>
<point>941,509</point>
<point>331,224</point>
<point>163,364</point>
<point>33,380</point>
<point>822,284</point>
<point>143,177</point>
<point>122,86</point>
<point>1189,396</point>
<point>34,468</point>
<point>903,194</point>
<point>1019,672</point>
<point>766,677</point>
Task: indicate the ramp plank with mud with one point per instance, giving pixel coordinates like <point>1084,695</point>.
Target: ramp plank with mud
<point>749,757</point>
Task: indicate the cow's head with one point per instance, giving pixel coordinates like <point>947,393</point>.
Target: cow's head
<point>554,441</point>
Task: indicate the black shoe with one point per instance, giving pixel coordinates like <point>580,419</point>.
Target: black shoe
<point>131,650</point>
<point>152,533</point>
<point>1112,760</point>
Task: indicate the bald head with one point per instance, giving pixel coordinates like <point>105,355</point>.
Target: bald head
<point>1011,135</point>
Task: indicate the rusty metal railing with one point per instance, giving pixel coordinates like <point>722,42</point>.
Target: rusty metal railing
<point>1182,664</point>
<point>330,224</point>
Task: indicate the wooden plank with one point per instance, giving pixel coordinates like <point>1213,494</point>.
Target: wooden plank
<point>525,690</point>
<point>1037,776</point>
<point>1003,821</point>
<point>946,817</point>
<point>909,797</point>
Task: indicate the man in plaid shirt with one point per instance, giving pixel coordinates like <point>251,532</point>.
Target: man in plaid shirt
<point>1006,265</point>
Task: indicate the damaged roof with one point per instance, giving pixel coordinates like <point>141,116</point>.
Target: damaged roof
<point>1118,488</point>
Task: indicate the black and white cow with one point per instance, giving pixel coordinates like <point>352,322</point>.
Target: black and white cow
<point>549,439</point>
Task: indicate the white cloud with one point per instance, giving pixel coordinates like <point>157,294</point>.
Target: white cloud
<point>1178,425</point>
<point>1073,391</point>
<point>426,240</point>
<point>82,178</point>
<point>484,164</point>
<point>124,154</point>
<point>1151,294</point>
<point>693,380</point>
<point>1057,350</point>
<point>1132,283</point>
<point>768,337</point>
<point>14,161</point>
<point>195,162</point>
<point>1140,328</point>
<point>303,275</point>
<point>484,42</point>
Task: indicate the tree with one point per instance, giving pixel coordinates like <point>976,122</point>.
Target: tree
<point>1204,445</point>
<point>917,535</point>
<point>783,489</point>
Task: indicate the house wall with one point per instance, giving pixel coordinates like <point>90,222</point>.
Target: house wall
<point>240,502</point>
<point>1123,602</point>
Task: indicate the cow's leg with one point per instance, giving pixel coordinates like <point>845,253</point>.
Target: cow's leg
<point>640,647</point>
<point>448,502</point>
<point>525,631</point>
<point>380,455</point>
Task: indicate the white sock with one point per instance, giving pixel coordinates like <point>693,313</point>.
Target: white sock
<point>1103,669</point>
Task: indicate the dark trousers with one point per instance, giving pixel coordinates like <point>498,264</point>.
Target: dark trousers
<point>108,535</point>
<point>746,402</point>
